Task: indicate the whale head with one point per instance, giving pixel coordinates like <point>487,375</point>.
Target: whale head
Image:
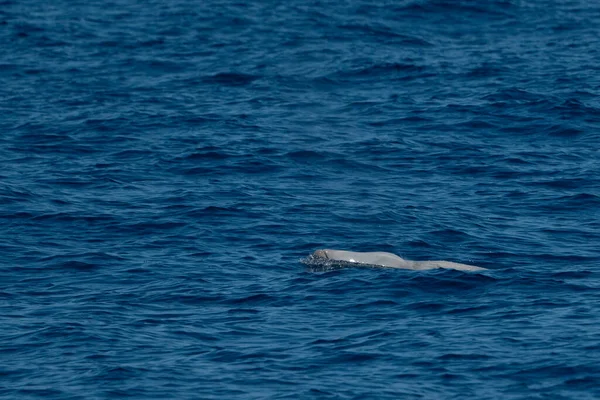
<point>321,254</point>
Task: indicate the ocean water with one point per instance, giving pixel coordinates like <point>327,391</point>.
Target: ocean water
<point>165,167</point>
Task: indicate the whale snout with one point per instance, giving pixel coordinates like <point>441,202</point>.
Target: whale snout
<point>320,254</point>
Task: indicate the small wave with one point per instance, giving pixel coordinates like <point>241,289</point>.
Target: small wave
<point>210,154</point>
<point>386,34</point>
<point>306,156</point>
<point>74,265</point>
<point>231,79</point>
<point>398,70</point>
<point>515,95</point>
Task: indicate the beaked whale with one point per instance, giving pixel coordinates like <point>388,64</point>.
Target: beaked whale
<point>383,259</point>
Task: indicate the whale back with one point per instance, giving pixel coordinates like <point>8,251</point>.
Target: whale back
<point>372,258</point>
<point>384,259</point>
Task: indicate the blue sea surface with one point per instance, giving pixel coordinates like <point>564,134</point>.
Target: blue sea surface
<point>166,165</point>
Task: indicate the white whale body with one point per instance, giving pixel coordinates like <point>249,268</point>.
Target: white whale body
<point>383,259</point>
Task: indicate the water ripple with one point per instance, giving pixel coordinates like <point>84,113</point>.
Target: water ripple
<point>165,167</point>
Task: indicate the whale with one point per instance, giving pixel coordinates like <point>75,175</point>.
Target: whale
<point>382,259</point>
